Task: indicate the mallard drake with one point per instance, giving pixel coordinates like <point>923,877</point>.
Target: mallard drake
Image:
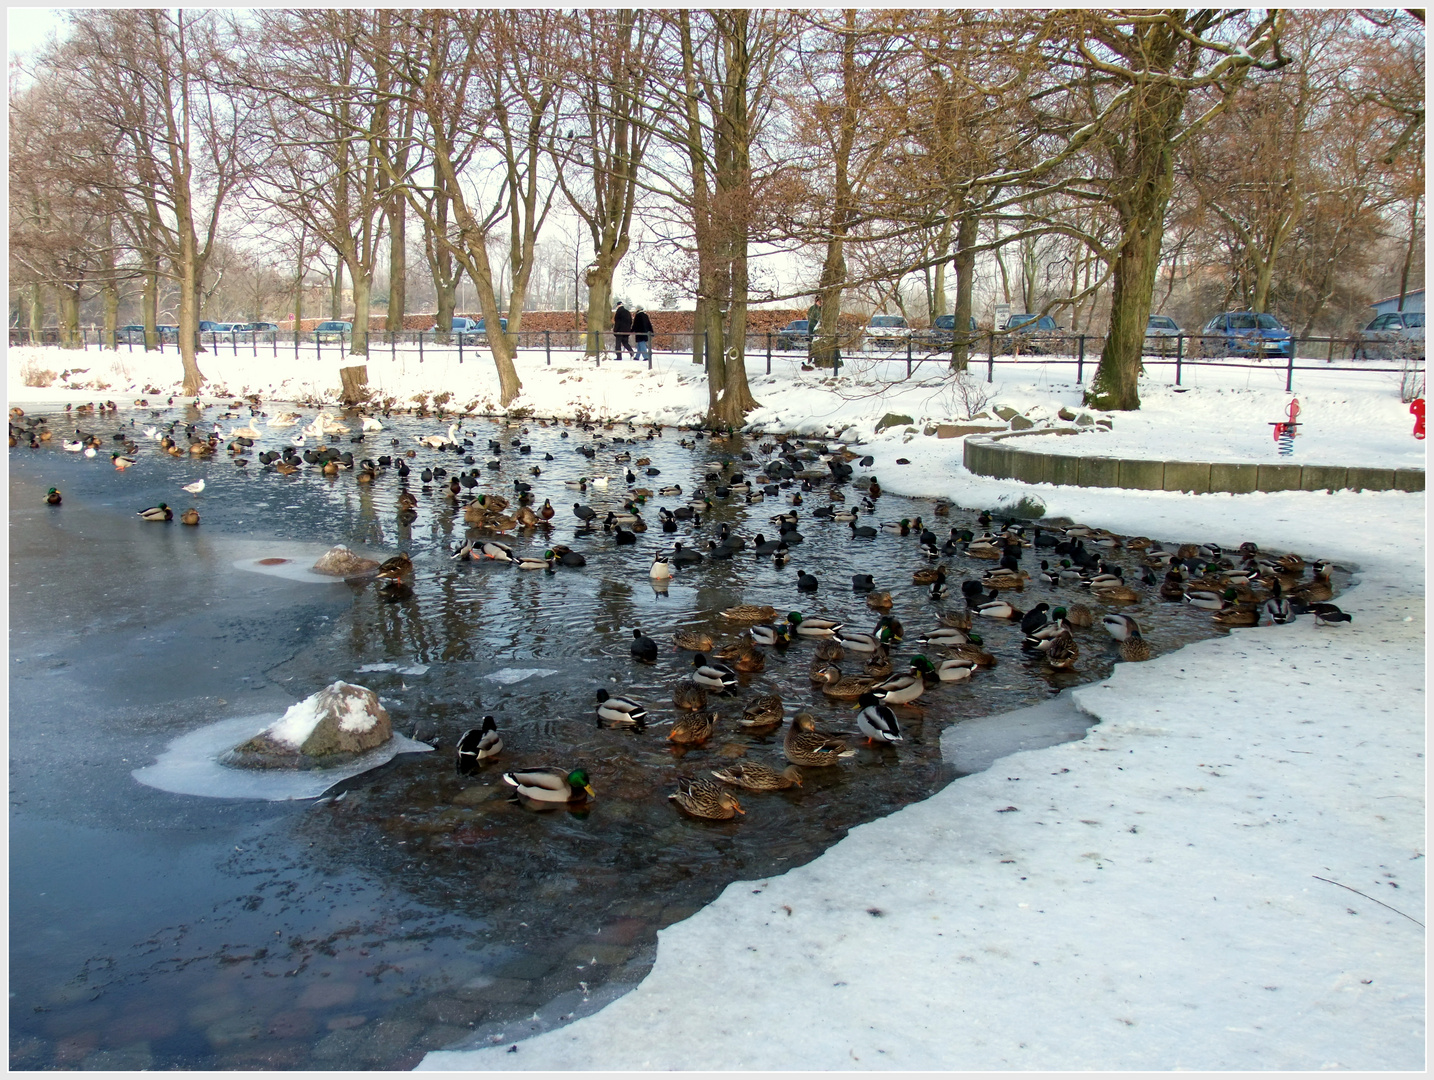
<point>686,694</point>
<point>764,634</point>
<point>1120,627</point>
<point>478,745</point>
<point>899,689</point>
<point>121,462</point>
<point>551,785</point>
<point>692,640</point>
<point>900,528</point>
<point>692,728</point>
<point>53,497</point>
<point>889,630</point>
<point>805,745</point>
<point>644,649</point>
<point>755,776</point>
<point>763,712</point>
<point>876,721</point>
<point>157,513</point>
<point>998,609</point>
<point>857,642</point>
<point>954,670</point>
<point>189,517</point>
<point>1134,649</point>
<point>1209,599</point>
<point>945,637</point>
<point>813,627</point>
<point>702,798</point>
<point>750,613</point>
<point>1278,607</point>
<point>1062,652</point>
<point>492,549</point>
<point>712,675</point>
<point>538,562</point>
<point>617,711</point>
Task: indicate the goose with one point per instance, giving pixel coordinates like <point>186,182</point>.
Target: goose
<point>876,720</point>
<point>618,711</point>
<point>478,745</point>
<point>550,785</point>
<point>701,798</point>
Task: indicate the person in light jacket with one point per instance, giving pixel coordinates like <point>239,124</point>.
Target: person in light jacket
<point>622,331</point>
<point>642,333</point>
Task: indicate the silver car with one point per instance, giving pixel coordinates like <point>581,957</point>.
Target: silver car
<point>1395,335</point>
<point>1160,334</point>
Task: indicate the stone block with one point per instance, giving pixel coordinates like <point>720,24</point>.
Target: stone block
<point>891,420</point>
<point>1371,479</point>
<point>1005,412</point>
<point>1062,469</point>
<point>1020,423</point>
<point>1280,477</point>
<point>973,456</point>
<point>1239,479</point>
<point>1409,479</point>
<point>1193,476</point>
<point>1323,477</point>
<point>955,431</point>
<point>1028,466</point>
<point>1099,472</point>
<point>999,463</point>
<point>1142,475</point>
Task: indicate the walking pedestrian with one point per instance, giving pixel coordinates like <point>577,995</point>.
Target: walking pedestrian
<point>622,331</point>
<point>642,333</point>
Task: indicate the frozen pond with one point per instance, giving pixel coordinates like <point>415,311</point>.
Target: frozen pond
<point>410,908</point>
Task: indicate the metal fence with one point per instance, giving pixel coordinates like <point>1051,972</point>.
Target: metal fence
<point>910,358</point>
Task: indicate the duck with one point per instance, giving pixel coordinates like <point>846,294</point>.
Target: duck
<point>878,665</point>
<point>750,613</point>
<point>1079,615</point>
<point>900,689</point>
<point>1120,627</point>
<point>1318,589</point>
<point>1135,649</point>
<point>998,609</point>
<point>53,497</point>
<point>1240,614</point>
<point>1062,652</point>
<point>492,549</point>
<point>189,517</point>
<point>957,620</point>
<point>805,745</point>
<point>766,634</point>
<point>939,587</point>
<point>162,512</point>
<point>1003,578</point>
<point>701,798</point>
<point>661,569</point>
<point>975,653</point>
<point>813,627</point>
<point>806,582</point>
<point>686,694</point>
<point>1278,607</point>
<point>618,711</point>
<point>568,557</point>
<point>945,637</point>
<point>552,785</point>
<point>644,649</point>
<point>878,601</point>
<point>754,776</point>
<point>877,721</point>
<point>1209,599</point>
<point>478,745</point>
<point>954,669</point>
<point>889,629</point>
<point>843,687</point>
<point>928,575</point>
<point>856,642</point>
<point>120,461</point>
<point>1173,587</point>
<point>692,728</point>
<point>1115,594</point>
<point>538,562</point>
<point>830,649</point>
<point>692,640</point>
<point>713,675</point>
<point>762,712</point>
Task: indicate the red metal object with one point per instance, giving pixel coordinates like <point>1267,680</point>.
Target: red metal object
<point>1417,408</point>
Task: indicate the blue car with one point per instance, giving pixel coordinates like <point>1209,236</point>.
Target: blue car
<point>797,334</point>
<point>943,331</point>
<point>1246,333</point>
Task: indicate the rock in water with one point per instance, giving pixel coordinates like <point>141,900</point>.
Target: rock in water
<point>341,562</point>
<point>329,728</point>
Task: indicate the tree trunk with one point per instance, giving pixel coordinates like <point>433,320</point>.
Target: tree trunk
<point>447,301</point>
<point>964,263</point>
<point>110,292</point>
<point>599,282</point>
<point>938,284</point>
<point>397,265</point>
<point>715,349</point>
<point>1409,251</point>
<point>37,314</point>
<point>358,340</point>
<point>188,306</point>
<point>354,381</point>
<point>336,292</point>
<point>149,301</point>
<point>699,329</point>
<point>299,293</point>
<point>829,290</point>
<point>70,315</point>
<point>736,400</point>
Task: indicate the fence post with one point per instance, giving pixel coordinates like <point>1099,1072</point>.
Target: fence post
<point>991,356</point>
<point>1080,362</point>
<point>1290,369</point>
<point>392,347</point>
<point>908,356</point>
<point>420,346</point>
<point>1179,349</point>
<point>460,347</point>
<point>836,359</point>
<point>296,341</point>
<point>548,345</point>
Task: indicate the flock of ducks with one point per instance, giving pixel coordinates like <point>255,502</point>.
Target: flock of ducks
<point>1243,587</point>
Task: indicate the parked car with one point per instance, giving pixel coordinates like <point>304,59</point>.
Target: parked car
<point>1246,333</point>
<point>220,331</point>
<point>796,334</point>
<point>206,325</point>
<point>887,331</point>
<point>942,332</point>
<point>133,333</point>
<point>264,331</point>
<point>1160,332</point>
<point>333,330</point>
<point>1395,335</point>
<point>1030,333</point>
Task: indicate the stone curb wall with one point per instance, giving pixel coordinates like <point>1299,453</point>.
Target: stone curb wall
<point>985,456</point>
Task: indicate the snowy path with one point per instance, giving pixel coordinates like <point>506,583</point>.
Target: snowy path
<point>1154,899</point>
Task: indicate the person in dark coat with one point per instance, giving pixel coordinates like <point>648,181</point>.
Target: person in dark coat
<point>622,331</point>
<point>642,333</point>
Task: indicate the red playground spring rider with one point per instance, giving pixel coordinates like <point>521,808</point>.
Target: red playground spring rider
<point>1417,408</point>
<point>1285,429</point>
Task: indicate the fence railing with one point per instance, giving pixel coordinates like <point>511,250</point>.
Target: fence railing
<point>892,359</point>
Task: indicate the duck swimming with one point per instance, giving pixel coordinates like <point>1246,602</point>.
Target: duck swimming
<point>702,798</point>
<point>550,785</point>
<point>478,745</point>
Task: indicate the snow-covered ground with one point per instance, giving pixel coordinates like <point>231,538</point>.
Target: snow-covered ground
<point>1227,873</point>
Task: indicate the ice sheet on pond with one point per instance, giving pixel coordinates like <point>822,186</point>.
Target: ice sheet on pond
<point>289,567</point>
<point>399,669</point>
<point>508,676</point>
<point>190,765</point>
<point>973,745</point>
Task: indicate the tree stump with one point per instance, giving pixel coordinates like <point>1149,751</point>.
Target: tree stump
<point>355,384</point>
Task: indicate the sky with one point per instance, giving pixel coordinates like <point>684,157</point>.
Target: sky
<point>26,28</point>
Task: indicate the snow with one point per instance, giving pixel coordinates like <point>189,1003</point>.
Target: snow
<point>190,766</point>
<point>1225,872</point>
<point>297,724</point>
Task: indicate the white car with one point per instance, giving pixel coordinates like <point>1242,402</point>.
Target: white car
<point>887,331</point>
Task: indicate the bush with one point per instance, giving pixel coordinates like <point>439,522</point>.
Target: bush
<point>34,375</point>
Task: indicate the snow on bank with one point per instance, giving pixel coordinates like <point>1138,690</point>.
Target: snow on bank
<point>1173,891</point>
